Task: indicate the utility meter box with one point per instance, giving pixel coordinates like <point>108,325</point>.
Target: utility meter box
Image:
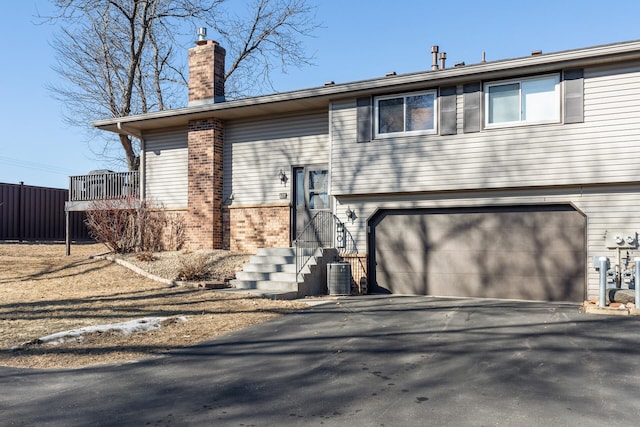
<point>596,262</point>
<point>624,239</point>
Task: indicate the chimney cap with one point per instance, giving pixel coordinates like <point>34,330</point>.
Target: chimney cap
<point>202,34</point>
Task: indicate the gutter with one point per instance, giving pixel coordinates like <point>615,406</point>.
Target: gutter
<point>128,131</point>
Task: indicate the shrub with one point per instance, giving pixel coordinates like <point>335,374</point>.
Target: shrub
<point>145,256</point>
<point>193,267</point>
<point>126,225</point>
<point>177,227</point>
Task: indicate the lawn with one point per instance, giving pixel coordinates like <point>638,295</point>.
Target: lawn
<point>43,292</point>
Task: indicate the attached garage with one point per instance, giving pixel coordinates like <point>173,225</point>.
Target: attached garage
<point>515,252</point>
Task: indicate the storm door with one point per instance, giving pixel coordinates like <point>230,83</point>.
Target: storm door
<point>310,195</point>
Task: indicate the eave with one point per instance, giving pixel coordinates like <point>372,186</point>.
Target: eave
<point>319,97</point>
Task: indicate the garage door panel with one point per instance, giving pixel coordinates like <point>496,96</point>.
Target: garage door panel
<point>534,253</point>
<point>412,261</point>
<point>395,235</point>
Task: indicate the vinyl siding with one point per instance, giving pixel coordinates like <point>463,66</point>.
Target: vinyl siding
<point>165,167</point>
<point>256,150</point>
<point>606,208</point>
<point>603,149</point>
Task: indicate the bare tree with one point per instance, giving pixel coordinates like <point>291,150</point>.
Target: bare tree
<point>123,57</point>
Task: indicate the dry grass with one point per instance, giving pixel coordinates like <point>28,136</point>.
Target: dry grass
<point>43,292</point>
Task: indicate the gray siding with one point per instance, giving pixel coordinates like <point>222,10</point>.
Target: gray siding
<point>603,149</point>
<point>165,167</point>
<point>256,150</point>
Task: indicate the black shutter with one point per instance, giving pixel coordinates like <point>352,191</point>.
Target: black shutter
<point>447,100</point>
<point>363,106</point>
<point>472,99</point>
<point>574,96</point>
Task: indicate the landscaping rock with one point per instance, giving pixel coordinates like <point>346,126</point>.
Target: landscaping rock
<point>623,296</point>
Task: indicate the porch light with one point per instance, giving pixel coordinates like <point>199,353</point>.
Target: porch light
<point>350,214</point>
<point>283,177</point>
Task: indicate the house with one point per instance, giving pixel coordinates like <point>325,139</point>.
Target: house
<point>496,179</point>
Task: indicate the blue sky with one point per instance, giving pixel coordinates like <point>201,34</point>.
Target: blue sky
<point>360,40</point>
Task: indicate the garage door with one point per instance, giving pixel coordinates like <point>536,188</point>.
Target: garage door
<point>519,252</point>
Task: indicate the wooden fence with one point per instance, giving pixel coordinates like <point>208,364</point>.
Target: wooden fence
<point>29,213</point>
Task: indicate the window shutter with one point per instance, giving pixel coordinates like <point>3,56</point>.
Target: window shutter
<point>472,99</point>
<point>574,96</point>
<point>363,106</point>
<point>447,100</point>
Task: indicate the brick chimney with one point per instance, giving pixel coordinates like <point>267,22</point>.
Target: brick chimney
<point>206,72</point>
<point>205,140</point>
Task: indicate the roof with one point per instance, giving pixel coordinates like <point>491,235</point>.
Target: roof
<point>319,97</point>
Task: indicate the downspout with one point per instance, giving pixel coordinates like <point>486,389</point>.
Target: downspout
<point>141,168</point>
<point>637,282</point>
<point>334,202</point>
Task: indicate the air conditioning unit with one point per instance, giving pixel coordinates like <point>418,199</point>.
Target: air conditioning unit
<point>339,278</point>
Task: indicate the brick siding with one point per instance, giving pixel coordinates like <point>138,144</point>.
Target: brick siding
<point>251,228</point>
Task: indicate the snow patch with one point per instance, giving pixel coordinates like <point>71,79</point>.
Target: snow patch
<point>144,324</point>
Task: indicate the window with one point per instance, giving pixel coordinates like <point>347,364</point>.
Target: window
<point>318,189</point>
<point>406,114</point>
<point>526,101</point>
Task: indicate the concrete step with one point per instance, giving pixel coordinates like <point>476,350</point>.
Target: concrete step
<point>260,275</point>
<point>272,259</point>
<point>271,285</point>
<point>276,252</point>
<point>270,268</point>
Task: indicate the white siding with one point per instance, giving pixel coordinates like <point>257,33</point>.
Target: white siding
<point>165,167</point>
<point>256,150</point>
<point>603,149</point>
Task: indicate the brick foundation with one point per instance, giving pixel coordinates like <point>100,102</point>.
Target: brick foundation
<point>358,263</point>
<point>226,228</point>
<point>256,227</point>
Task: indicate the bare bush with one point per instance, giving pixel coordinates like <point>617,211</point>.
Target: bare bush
<point>150,223</point>
<point>177,227</point>
<point>193,267</point>
<point>126,225</point>
<point>111,222</point>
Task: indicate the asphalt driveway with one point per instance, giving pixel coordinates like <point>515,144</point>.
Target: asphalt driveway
<point>364,361</point>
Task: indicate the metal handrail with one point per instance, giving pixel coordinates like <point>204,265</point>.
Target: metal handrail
<point>321,232</point>
<point>318,233</point>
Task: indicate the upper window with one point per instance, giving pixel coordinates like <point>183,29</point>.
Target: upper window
<point>525,101</point>
<point>406,114</point>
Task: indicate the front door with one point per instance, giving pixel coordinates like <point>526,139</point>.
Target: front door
<point>310,195</point>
